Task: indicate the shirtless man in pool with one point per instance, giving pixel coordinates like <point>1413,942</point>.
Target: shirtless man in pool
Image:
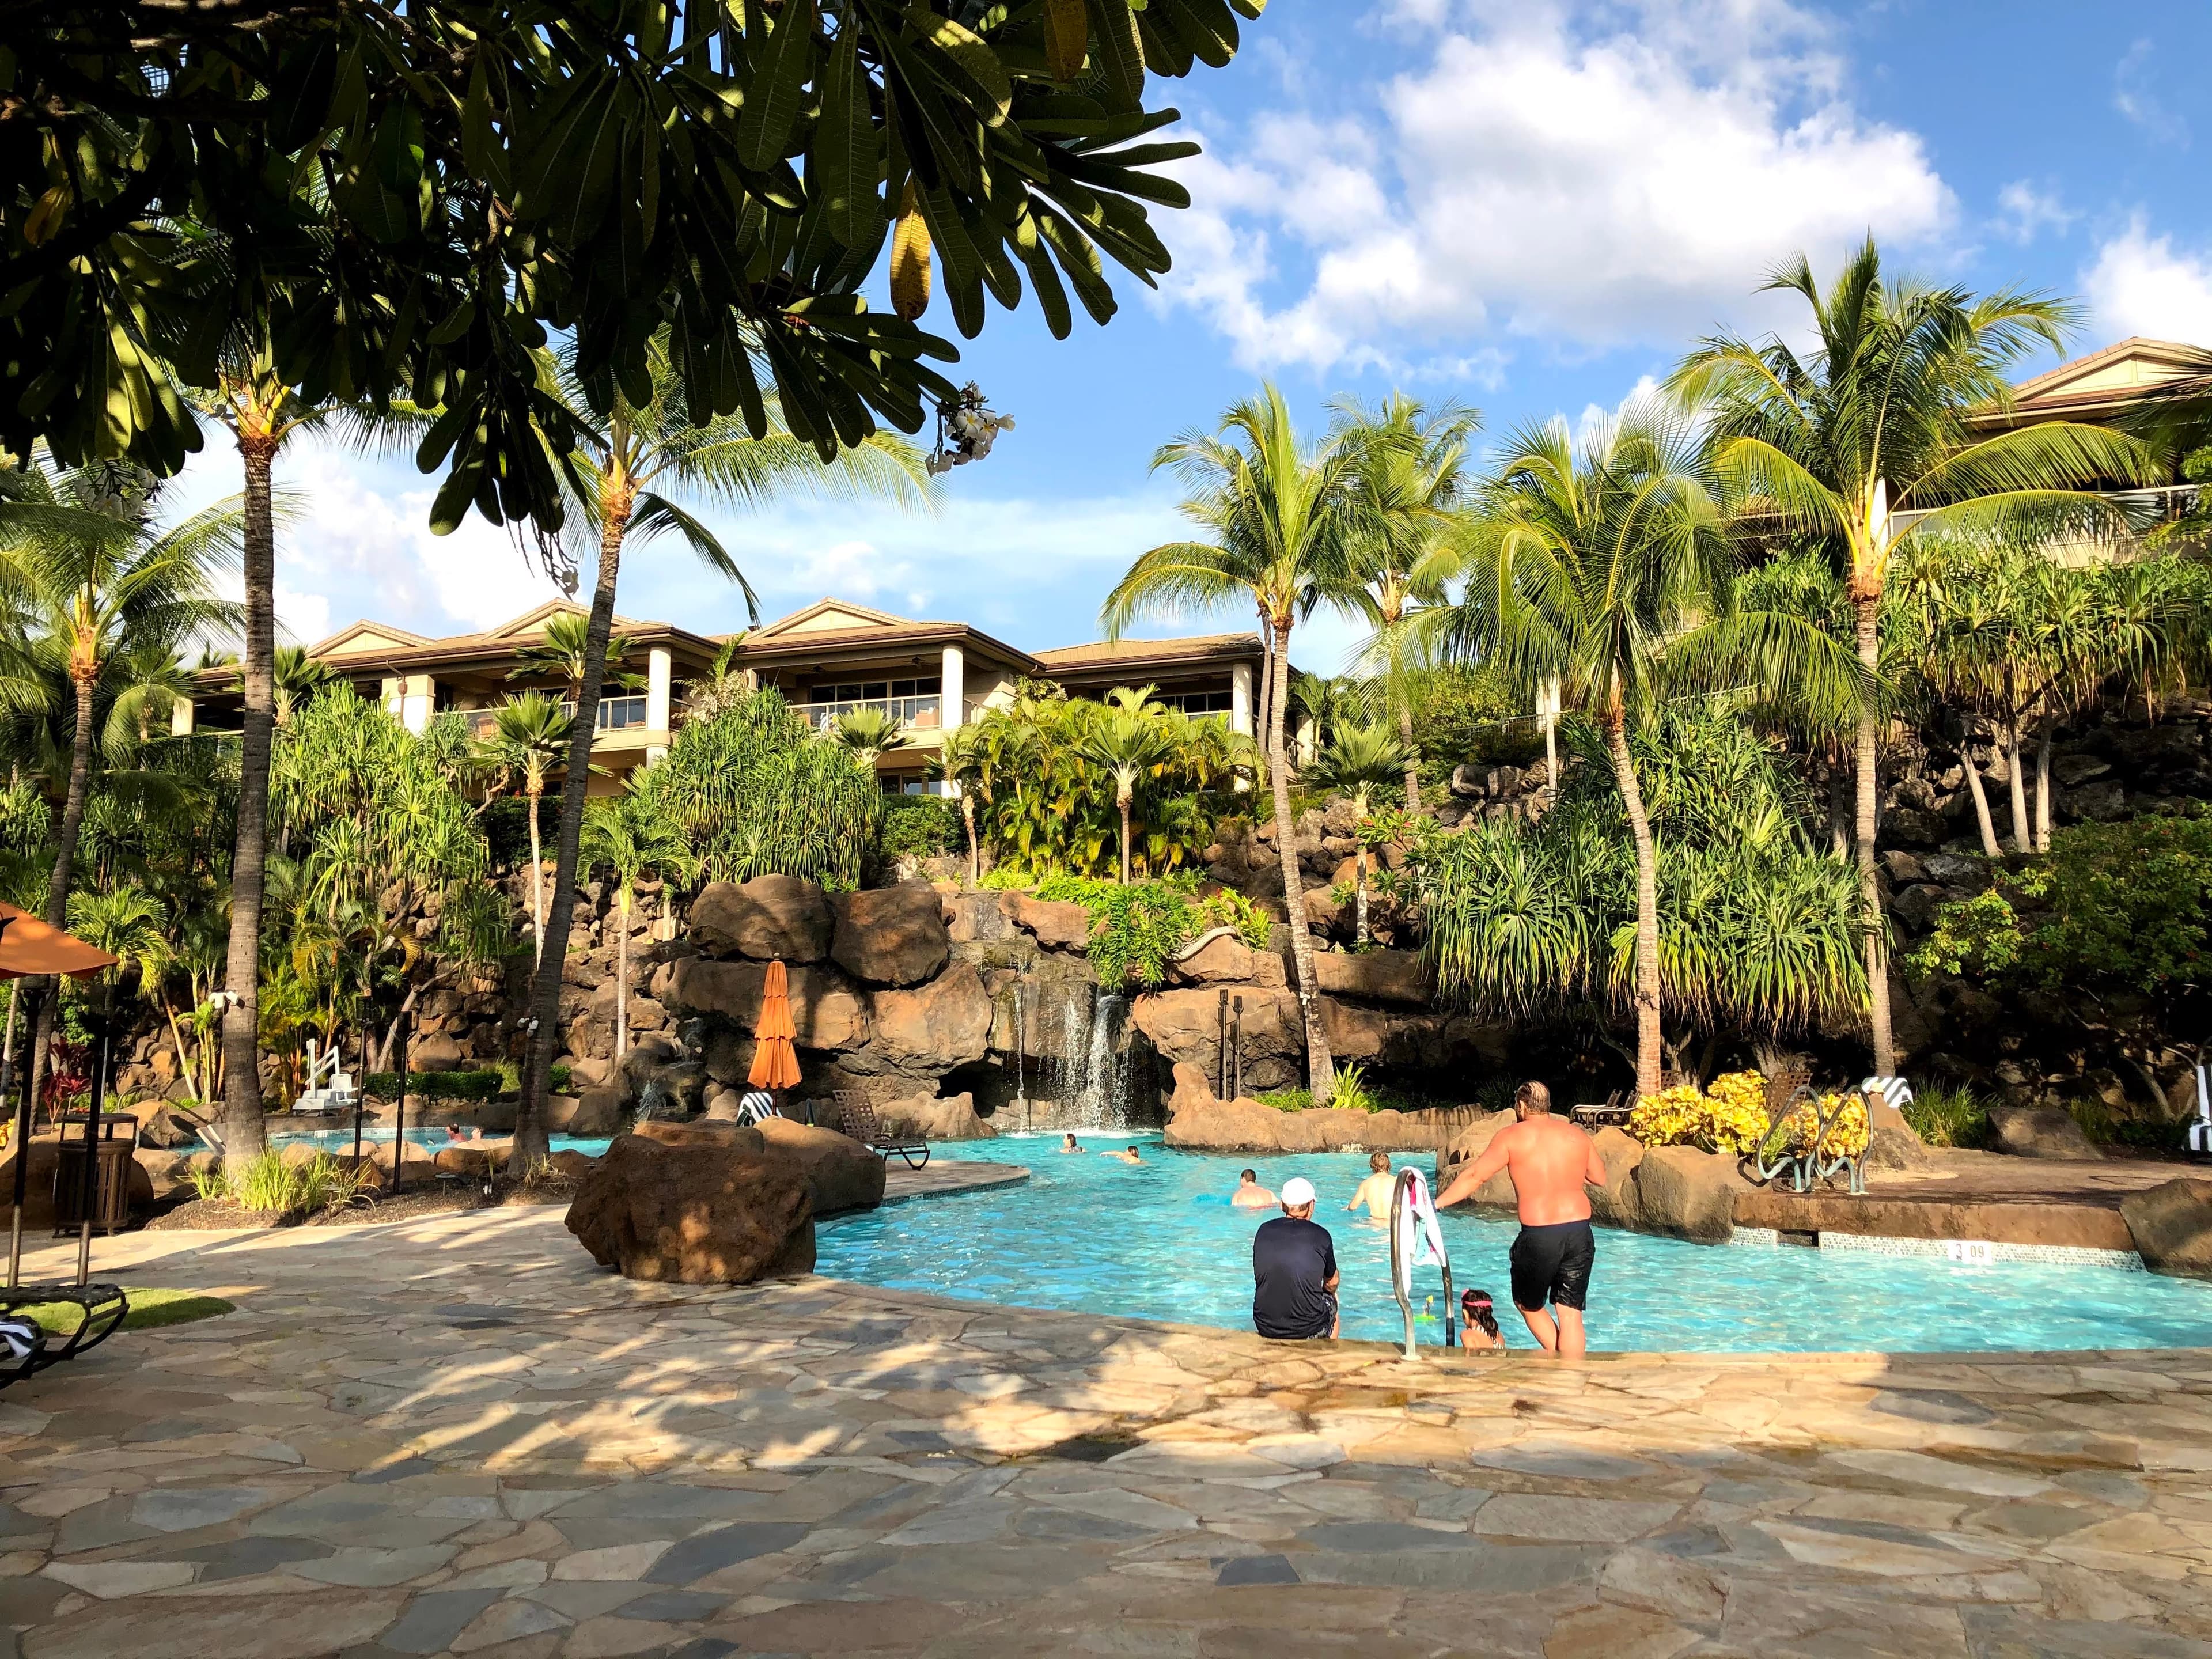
<point>1549,1160</point>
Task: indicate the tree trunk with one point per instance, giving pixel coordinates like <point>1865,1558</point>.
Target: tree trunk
<point>1866,788</point>
<point>1359,898</point>
<point>531,1144</point>
<point>975,853</point>
<point>2023,837</point>
<point>57,881</point>
<point>1266,714</point>
<point>1650,1040</point>
<point>1981,801</point>
<point>1320,1069</point>
<point>537,878</point>
<point>2042,806</point>
<point>622,979</point>
<point>1413,760</point>
<point>1839,807</point>
<point>1124,804</point>
<point>243,1140</point>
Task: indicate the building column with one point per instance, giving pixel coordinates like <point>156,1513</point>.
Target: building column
<point>659,672</point>
<point>391,694</point>
<point>418,701</point>
<point>952,689</point>
<point>180,717</point>
<point>1240,697</point>
<point>952,699</point>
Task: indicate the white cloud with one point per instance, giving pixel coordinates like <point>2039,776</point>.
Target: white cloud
<point>2142,284</point>
<point>1538,174</point>
<point>2134,97</point>
<point>2024,211</point>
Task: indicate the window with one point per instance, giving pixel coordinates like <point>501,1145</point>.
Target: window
<point>1199,702</point>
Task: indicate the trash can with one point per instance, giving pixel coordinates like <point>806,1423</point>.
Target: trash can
<point>117,1147</point>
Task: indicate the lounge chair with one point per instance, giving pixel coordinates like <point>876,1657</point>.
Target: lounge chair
<point>104,1307</point>
<point>857,1118</point>
<point>1611,1113</point>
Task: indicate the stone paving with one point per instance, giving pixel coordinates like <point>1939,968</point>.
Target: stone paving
<point>456,1435</point>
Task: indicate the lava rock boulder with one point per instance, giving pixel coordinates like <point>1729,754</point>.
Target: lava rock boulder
<point>694,1205</point>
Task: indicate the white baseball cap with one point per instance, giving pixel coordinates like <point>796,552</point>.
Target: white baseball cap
<point>1296,1191</point>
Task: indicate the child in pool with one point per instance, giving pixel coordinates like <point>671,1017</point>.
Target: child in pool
<point>1478,1321</point>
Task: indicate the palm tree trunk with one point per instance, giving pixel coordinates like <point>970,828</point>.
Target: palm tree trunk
<point>2043,807</point>
<point>1359,898</point>
<point>1412,761</point>
<point>536,879</point>
<point>1981,801</point>
<point>1124,804</point>
<point>1267,710</point>
<point>1650,1040</point>
<point>975,853</point>
<point>243,1140</point>
<point>622,979</point>
<point>1866,613</point>
<point>57,883</point>
<point>531,1144</point>
<point>1320,1069</point>
<point>2023,837</point>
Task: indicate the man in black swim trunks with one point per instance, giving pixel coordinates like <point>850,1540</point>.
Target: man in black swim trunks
<point>1548,1160</point>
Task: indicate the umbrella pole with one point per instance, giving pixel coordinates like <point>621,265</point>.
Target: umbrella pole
<point>22,1141</point>
<point>360,1099</point>
<point>91,1147</point>
<point>399,1115</point>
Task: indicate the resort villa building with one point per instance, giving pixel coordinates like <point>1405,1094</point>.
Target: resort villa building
<point>831,656</point>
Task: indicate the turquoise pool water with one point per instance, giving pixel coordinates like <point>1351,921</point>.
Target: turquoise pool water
<point>341,1140</point>
<point>1159,1241</point>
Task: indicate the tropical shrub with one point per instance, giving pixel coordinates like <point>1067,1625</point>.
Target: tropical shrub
<point>921,827</point>
<point>1757,933</point>
<point>2126,906</point>
<point>270,1186</point>
<point>1461,714</point>
<point>1136,929</point>
<point>758,793</point>
<point>1944,1116</point>
<point>1730,1117</point>
<point>1047,795</point>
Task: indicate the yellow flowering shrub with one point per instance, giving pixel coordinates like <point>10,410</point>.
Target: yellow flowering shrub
<point>1730,1117</point>
<point>1847,1135</point>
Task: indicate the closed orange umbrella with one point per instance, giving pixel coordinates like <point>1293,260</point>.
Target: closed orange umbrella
<point>775,1062</point>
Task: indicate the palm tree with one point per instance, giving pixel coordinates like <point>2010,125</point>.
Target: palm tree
<point>1125,735</point>
<point>293,678</point>
<point>1280,515</point>
<point>1413,486</point>
<point>1605,566</point>
<point>560,655</point>
<point>870,731</point>
<point>626,447</point>
<point>91,582</point>
<point>1357,761</point>
<point>725,685</point>
<point>531,736</point>
<point>964,760</point>
<point>630,834</point>
<point>1864,443</point>
<point>1325,704</point>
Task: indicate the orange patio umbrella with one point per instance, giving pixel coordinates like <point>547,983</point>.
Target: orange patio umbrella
<point>29,946</point>
<point>775,1062</point>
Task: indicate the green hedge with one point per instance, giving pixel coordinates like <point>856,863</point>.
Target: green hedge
<point>452,1085</point>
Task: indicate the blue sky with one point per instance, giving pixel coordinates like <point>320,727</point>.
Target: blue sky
<point>1526,206</point>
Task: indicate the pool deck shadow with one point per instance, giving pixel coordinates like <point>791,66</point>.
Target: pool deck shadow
<point>458,1435</point>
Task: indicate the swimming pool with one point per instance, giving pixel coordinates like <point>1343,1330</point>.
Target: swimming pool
<point>1160,1241</point>
<point>341,1140</point>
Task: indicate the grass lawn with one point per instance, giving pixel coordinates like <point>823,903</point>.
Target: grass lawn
<point>147,1308</point>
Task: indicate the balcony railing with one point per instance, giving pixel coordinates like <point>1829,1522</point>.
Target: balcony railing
<point>616,714</point>
<point>922,713</point>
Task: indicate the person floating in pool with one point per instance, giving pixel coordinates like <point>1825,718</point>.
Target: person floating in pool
<point>1549,1161</point>
<point>1374,1193</point>
<point>1068,1143</point>
<point>1294,1276</point>
<point>1128,1156</point>
<point>1478,1321</point>
<point>1250,1194</point>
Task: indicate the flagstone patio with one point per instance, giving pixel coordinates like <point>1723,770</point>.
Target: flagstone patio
<point>458,1436</point>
